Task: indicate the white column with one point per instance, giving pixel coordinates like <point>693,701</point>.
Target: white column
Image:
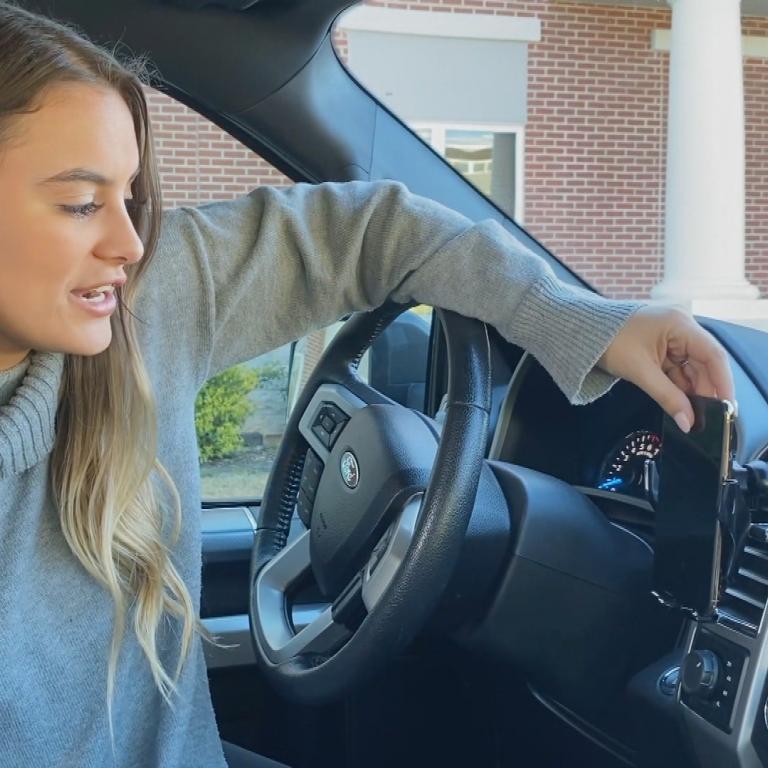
<point>704,223</point>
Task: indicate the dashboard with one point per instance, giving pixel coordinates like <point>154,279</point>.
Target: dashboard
<point>605,446</point>
<point>606,450</point>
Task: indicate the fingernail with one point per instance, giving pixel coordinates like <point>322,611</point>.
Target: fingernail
<point>682,421</point>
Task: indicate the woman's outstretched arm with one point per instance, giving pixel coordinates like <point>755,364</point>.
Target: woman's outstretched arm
<point>278,263</point>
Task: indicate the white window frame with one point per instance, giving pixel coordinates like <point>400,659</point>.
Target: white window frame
<point>437,142</point>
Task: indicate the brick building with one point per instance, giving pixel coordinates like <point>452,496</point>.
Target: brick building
<point>590,151</point>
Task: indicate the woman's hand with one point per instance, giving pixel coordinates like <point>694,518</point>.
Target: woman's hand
<point>666,353</point>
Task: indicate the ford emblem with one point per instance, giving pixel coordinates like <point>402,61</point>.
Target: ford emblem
<point>350,472</point>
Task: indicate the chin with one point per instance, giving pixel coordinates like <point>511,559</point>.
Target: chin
<point>95,349</point>
<point>88,346</point>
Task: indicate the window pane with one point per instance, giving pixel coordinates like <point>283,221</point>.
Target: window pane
<point>424,133</point>
<point>472,115</point>
<point>240,419</point>
<point>487,159</point>
<point>396,364</point>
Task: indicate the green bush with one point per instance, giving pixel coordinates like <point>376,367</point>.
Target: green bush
<point>273,376</point>
<point>221,407</point>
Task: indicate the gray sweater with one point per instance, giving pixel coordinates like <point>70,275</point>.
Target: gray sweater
<point>229,282</point>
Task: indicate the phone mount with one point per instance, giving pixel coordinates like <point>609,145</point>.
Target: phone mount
<point>744,511</point>
<point>743,515</point>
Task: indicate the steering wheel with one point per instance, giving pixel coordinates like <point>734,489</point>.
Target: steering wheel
<point>385,496</point>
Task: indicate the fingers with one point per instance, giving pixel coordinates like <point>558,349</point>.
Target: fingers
<point>649,350</point>
<point>711,367</point>
<point>700,380</point>
<point>669,391</point>
<point>680,377</point>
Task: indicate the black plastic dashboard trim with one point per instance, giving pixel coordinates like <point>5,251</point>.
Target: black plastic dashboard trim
<point>731,336</point>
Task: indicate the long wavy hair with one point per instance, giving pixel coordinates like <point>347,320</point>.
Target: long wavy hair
<point>112,493</point>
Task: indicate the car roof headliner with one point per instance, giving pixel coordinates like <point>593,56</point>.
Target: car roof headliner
<point>204,49</point>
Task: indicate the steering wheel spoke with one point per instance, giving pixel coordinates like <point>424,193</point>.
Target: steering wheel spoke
<point>320,634</point>
<point>389,553</point>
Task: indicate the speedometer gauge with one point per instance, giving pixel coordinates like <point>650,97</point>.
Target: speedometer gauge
<point>625,467</point>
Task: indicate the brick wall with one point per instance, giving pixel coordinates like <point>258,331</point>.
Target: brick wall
<point>756,118</point>
<point>198,161</point>
<point>595,141</point>
<point>595,144</point>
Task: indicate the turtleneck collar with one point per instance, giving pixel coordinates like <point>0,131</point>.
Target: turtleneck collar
<point>29,397</point>
<point>10,378</point>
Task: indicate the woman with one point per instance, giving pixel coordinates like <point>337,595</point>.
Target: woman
<point>104,312</point>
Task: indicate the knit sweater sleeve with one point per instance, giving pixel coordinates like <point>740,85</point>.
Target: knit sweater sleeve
<point>278,263</point>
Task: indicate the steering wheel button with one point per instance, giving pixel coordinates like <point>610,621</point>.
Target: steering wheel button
<point>322,418</point>
<point>310,477</point>
<point>304,508</point>
<point>322,435</point>
<point>313,464</point>
<point>308,487</point>
<point>336,432</point>
<point>336,413</point>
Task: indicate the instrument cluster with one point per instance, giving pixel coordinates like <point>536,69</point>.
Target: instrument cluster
<point>628,467</point>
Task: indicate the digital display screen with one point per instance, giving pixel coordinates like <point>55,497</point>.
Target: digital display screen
<point>692,470</point>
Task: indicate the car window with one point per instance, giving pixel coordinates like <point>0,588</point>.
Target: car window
<point>472,115</point>
<point>241,413</point>
<point>563,115</point>
<point>396,363</point>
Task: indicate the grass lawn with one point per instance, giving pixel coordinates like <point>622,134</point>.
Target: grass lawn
<point>242,476</point>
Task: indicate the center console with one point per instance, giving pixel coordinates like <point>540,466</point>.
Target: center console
<point>722,682</point>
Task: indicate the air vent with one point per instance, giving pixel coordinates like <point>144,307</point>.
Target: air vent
<point>743,601</point>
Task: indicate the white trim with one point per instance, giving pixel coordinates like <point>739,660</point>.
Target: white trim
<point>756,47</point>
<point>751,45</point>
<point>437,142</point>
<point>661,40</point>
<point>366,18</point>
<point>520,176</point>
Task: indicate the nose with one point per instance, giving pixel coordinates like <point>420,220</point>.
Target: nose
<point>120,241</point>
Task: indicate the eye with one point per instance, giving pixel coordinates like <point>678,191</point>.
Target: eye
<point>82,211</point>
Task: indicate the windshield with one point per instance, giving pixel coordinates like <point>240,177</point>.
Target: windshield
<point>588,125</point>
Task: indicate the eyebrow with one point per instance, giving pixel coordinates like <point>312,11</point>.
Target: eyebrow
<point>83,174</point>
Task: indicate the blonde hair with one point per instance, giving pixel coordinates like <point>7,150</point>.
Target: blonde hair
<point>106,479</point>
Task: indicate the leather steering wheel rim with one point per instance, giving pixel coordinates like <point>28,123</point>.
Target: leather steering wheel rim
<point>439,520</point>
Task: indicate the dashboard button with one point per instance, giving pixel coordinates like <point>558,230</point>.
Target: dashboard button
<point>669,680</point>
<point>705,684</point>
<point>700,673</point>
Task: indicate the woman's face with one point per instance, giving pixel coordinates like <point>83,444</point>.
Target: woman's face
<point>64,228</point>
